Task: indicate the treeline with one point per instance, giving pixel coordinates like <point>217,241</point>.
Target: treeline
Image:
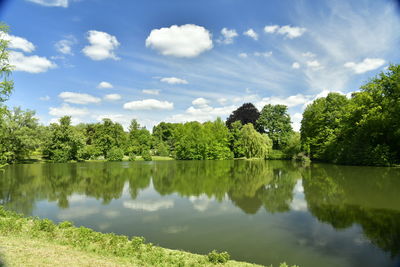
<point>362,130</point>
<point>63,142</point>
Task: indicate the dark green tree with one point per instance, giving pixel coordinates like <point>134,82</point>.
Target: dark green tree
<point>107,135</point>
<point>247,113</point>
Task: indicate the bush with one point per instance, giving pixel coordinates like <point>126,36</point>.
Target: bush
<point>115,154</point>
<point>44,225</point>
<point>146,155</point>
<point>132,156</point>
<point>216,257</point>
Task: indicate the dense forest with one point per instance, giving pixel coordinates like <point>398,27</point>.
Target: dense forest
<point>362,130</point>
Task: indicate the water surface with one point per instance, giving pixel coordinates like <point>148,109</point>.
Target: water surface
<point>259,211</point>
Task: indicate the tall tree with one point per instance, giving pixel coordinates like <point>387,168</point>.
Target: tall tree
<point>139,138</point>
<point>255,145</point>
<point>247,113</point>
<point>274,120</point>
<point>107,135</point>
<point>6,85</point>
<point>64,142</point>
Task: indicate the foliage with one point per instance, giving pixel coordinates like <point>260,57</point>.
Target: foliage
<point>235,139</point>
<point>6,85</point>
<point>64,142</point>
<point>194,140</point>
<point>216,257</point>
<point>107,135</point>
<point>275,121</point>
<point>363,130</point>
<point>115,154</point>
<point>139,139</point>
<point>247,113</point>
<point>255,145</point>
<point>146,156</point>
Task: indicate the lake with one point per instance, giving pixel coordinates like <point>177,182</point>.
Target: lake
<point>263,212</point>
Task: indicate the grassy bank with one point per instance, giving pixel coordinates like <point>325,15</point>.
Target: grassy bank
<point>27,241</point>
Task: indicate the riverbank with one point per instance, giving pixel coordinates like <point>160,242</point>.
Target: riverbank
<point>27,241</point>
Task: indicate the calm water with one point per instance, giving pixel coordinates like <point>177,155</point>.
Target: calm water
<point>261,212</point>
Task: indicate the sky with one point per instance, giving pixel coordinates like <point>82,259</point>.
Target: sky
<point>184,60</point>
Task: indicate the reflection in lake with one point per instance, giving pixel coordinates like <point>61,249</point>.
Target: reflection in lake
<point>260,211</point>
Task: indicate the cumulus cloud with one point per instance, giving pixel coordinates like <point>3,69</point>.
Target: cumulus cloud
<point>201,113</point>
<point>65,46</point>
<point>228,36</point>
<point>367,64</point>
<point>78,98</point>
<point>287,30</point>
<point>151,91</point>
<point>200,102</point>
<point>101,46</point>
<point>105,85</point>
<point>296,65</point>
<point>67,110</point>
<point>314,64</point>
<point>296,121</point>
<point>51,3</point>
<point>290,101</point>
<point>242,55</point>
<point>173,80</point>
<point>252,34</point>
<point>32,64</point>
<point>308,54</point>
<point>16,42</point>
<point>222,100</point>
<point>180,41</point>
<point>149,104</point>
<point>112,97</point>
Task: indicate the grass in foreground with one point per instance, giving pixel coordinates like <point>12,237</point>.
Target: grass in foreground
<point>27,241</point>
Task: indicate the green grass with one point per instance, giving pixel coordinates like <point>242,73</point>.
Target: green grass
<point>27,241</point>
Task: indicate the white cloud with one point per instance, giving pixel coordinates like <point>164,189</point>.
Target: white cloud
<point>104,85</point>
<point>271,28</point>
<point>67,110</point>
<point>102,46</point>
<point>263,54</point>
<point>151,91</point>
<point>78,98</point>
<point>149,205</point>
<point>173,80</point>
<point>45,98</point>
<point>242,55</point>
<point>200,102</point>
<point>180,41</point>
<point>228,36</point>
<point>201,113</point>
<point>32,64</point>
<point>251,33</point>
<point>296,65</point>
<point>222,100</point>
<point>112,97</point>
<point>287,30</point>
<point>367,64</point>
<point>314,64</point>
<point>65,46</point>
<point>16,42</point>
<point>290,101</point>
<point>296,121</point>
<point>51,3</point>
<point>149,104</point>
<point>308,54</point>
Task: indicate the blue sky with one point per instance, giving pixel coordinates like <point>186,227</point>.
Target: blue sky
<point>182,60</point>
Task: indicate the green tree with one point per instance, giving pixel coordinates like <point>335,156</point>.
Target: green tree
<point>275,121</point>
<point>64,142</point>
<point>6,85</point>
<point>139,138</point>
<point>255,145</point>
<point>235,139</point>
<point>21,135</point>
<point>107,135</point>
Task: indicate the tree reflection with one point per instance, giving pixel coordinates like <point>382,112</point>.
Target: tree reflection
<point>343,196</point>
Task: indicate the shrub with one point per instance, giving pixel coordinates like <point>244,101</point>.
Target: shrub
<point>44,225</point>
<point>216,257</point>
<point>115,154</point>
<point>146,155</point>
<point>65,224</point>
